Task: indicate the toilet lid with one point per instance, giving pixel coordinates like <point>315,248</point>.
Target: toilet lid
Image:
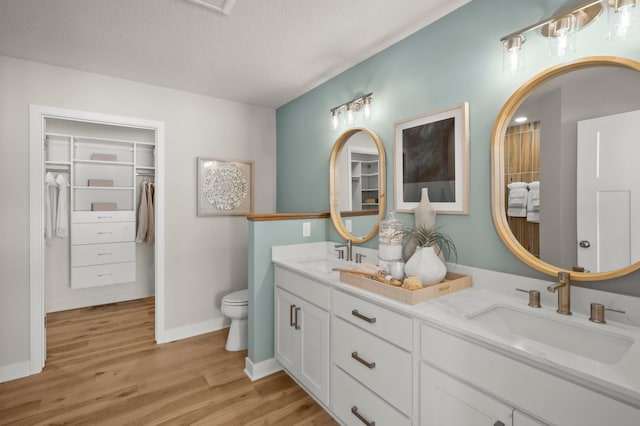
<point>237,298</point>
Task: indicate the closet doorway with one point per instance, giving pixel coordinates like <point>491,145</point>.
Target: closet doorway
<point>109,162</point>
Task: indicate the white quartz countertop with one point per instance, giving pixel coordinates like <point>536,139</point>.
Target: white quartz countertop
<point>453,313</point>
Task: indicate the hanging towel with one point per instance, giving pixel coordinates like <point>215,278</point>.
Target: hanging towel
<point>143,215</point>
<point>517,202</point>
<point>533,203</point>
<point>51,205</point>
<point>62,212</point>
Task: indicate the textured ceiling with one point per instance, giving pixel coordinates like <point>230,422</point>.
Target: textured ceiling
<point>266,52</point>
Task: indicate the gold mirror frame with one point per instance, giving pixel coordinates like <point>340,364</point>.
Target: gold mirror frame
<point>497,167</point>
<point>336,216</point>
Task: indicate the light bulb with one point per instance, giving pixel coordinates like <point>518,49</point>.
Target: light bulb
<point>334,120</point>
<point>624,19</point>
<point>367,108</point>
<point>350,116</point>
<point>512,54</point>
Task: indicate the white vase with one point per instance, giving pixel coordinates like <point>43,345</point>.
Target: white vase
<point>425,214</point>
<point>425,217</point>
<point>426,264</point>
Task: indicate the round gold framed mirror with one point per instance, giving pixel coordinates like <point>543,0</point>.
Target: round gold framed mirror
<point>357,184</point>
<point>575,133</point>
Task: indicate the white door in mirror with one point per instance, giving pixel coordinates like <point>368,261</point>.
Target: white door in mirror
<point>608,189</point>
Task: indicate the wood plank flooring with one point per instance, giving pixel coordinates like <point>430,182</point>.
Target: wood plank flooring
<point>104,368</point>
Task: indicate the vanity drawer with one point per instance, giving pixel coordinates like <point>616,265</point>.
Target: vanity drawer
<point>99,275</point>
<point>389,371</point>
<point>349,393</point>
<point>387,324</point>
<point>311,291</point>
<point>98,233</point>
<point>99,254</point>
<point>103,216</point>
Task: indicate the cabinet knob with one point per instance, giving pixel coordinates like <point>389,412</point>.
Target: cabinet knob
<point>498,423</point>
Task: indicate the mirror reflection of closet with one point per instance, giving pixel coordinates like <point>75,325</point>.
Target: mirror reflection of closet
<point>98,260</point>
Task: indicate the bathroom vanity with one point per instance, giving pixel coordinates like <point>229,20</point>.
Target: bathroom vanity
<point>480,356</point>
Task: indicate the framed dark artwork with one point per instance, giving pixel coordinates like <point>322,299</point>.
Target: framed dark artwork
<point>225,187</point>
<point>432,151</point>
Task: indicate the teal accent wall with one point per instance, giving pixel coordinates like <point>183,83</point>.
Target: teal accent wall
<point>456,59</point>
<point>262,236</point>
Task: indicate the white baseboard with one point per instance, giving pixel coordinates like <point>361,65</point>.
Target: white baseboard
<point>15,371</point>
<point>261,369</point>
<point>103,299</point>
<point>186,331</point>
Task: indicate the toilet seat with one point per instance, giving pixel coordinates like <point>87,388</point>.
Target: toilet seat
<point>237,298</point>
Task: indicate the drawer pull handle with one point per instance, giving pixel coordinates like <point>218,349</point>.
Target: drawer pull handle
<point>297,325</point>
<point>104,233</point>
<point>104,217</point>
<point>354,411</point>
<point>104,275</point>
<point>291,308</point>
<point>105,254</point>
<point>370,320</point>
<point>370,365</point>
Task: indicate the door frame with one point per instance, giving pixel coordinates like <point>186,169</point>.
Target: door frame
<point>37,116</point>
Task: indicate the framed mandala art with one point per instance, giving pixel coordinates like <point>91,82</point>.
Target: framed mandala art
<point>225,187</point>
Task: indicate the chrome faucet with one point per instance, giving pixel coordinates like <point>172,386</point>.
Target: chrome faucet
<point>563,288</point>
<point>349,247</point>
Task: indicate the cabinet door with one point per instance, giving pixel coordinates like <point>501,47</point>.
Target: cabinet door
<point>285,345</point>
<point>447,401</point>
<point>313,333</point>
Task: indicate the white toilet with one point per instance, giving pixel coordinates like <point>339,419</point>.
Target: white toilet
<point>235,306</point>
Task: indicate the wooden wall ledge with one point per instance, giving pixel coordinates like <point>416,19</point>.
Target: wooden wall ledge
<point>286,216</point>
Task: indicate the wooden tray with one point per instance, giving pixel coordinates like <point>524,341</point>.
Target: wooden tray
<point>452,282</point>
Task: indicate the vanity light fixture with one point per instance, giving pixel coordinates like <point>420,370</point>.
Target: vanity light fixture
<point>561,29</point>
<point>521,119</point>
<point>349,109</point>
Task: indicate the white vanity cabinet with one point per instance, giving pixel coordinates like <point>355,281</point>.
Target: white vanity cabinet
<point>372,362</point>
<point>447,401</point>
<point>459,377</point>
<point>302,326</point>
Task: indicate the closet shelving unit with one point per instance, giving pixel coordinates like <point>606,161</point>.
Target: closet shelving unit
<point>103,248</point>
<point>364,181</point>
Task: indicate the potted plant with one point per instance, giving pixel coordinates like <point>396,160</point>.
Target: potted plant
<point>425,262</point>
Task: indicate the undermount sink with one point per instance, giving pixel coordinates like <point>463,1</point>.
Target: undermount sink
<point>521,327</point>
<point>325,265</point>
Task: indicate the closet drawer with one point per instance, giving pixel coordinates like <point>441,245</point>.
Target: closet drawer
<point>104,216</point>
<point>98,233</point>
<point>99,275</point>
<point>99,254</point>
<point>389,371</point>
<point>387,324</point>
<point>349,393</point>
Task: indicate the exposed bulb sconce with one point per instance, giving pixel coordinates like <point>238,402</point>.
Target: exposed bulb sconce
<point>624,18</point>
<point>350,109</point>
<point>561,29</point>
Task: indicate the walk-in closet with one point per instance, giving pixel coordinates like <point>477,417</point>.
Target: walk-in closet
<point>99,221</point>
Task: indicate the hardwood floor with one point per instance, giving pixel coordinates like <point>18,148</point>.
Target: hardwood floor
<point>104,368</point>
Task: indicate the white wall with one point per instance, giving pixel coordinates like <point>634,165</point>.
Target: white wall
<point>205,257</point>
